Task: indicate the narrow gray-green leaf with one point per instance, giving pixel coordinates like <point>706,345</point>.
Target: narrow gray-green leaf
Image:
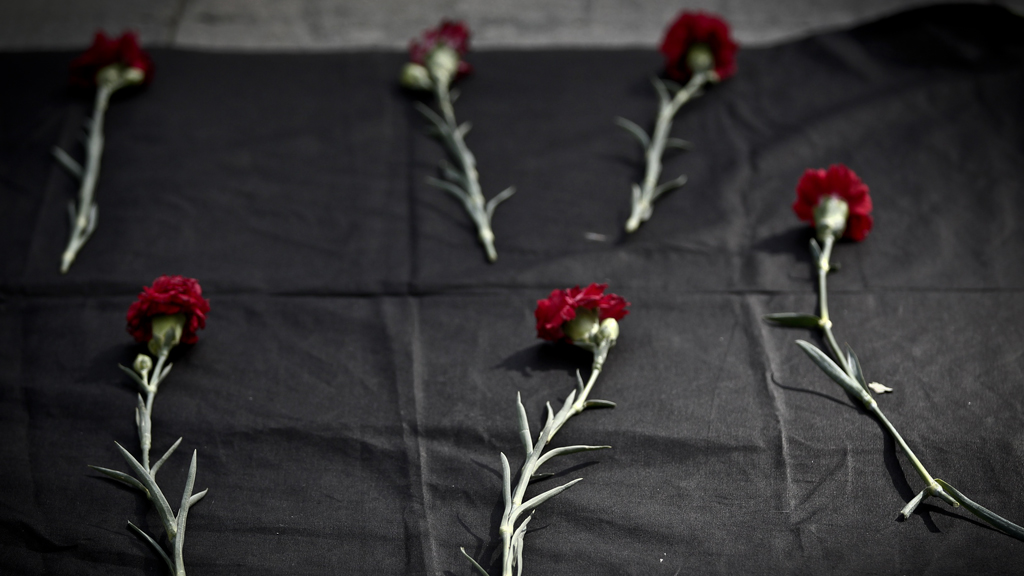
<point>815,251</point>
<point>524,426</point>
<point>854,362</point>
<point>449,187</point>
<point>568,450</point>
<point>492,204</point>
<point>833,371</point>
<point>599,404</point>
<point>163,509</point>
<point>474,562</point>
<point>637,193</point>
<point>166,371</point>
<point>794,320</point>
<point>1000,523</point>
<point>579,382</point>
<point>197,497</point>
<point>635,130</point>
<point>659,86</point>
<point>432,116</point>
<point>153,544</point>
<point>69,163</point>
<point>506,484</point>
<point>541,475</point>
<point>672,85</point>
<point>521,530</point>
<point>121,477</point>
<point>514,552</point>
<point>568,404</point>
<point>186,498</point>
<point>134,377</point>
<point>542,498</point>
<point>464,129</point>
<point>452,174</point>
<point>545,434</point>
<point>518,543</point>
<point>669,186</point>
<point>92,220</point>
<point>912,505</point>
<point>164,458</point>
<point>679,144</point>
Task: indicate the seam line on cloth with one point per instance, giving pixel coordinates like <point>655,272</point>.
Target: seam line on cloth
<point>491,290</point>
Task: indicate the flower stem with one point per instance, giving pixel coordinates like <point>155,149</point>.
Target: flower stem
<point>145,420</point>
<point>464,182</point>
<point>823,267</point>
<point>83,217</point>
<point>515,508</point>
<point>144,477</point>
<point>645,195</point>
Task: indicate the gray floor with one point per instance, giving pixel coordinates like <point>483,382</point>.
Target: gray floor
<point>356,24</point>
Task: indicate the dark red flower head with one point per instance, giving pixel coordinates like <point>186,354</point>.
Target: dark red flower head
<point>169,295</point>
<point>843,183</point>
<point>690,29</point>
<point>560,307</point>
<point>451,33</point>
<point>106,51</point>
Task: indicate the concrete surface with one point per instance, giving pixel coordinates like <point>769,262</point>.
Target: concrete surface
<point>360,24</point>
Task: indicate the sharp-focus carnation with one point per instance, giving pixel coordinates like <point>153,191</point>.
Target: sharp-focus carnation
<point>169,295</point>
<point>451,33</point>
<point>560,307</point>
<point>843,183</point>
<point>697,28</point>
<point>106,51</point>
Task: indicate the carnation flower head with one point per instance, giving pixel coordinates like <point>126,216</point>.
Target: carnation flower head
<point>561,307</point>
<point>169,296</point>
<point>835,201</point>
<point>691,39</point>
<point>123,52</point>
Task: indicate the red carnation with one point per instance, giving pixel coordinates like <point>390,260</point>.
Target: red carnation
<point>694,28</point>
<point>560,307</point>
<point>169,295</point>
<point>451,33</point>
<point>843,183</point>
<point>106,51</point>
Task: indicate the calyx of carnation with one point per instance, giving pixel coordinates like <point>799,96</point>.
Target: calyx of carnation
<point>167,331</point>
<point>830,217</point>
<point>443,63</point>
<point>699,58</point>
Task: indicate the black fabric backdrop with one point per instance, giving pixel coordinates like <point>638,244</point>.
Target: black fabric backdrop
<point>357,377</point>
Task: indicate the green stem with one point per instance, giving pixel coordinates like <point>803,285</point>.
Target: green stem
<point>823,267</point>
<point>514,509</point>
<point>474,200</point>
<point>145,423</point>
<point>934,486</point>
<point>643,205</point>
<point>83,218</point>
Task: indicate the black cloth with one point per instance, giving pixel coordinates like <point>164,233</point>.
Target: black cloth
<point>357,377</point>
